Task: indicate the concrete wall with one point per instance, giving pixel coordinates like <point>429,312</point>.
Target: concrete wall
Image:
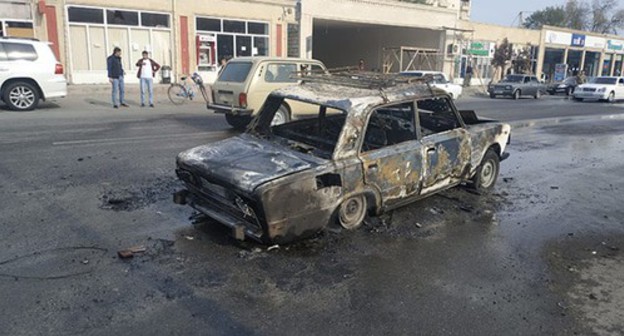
<point>496,33</point>
<point>339,47</point>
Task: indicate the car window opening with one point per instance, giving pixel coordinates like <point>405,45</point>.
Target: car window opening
<point>313,129</point>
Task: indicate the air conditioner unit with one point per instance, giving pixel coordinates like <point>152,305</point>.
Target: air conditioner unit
<point>453,49</point>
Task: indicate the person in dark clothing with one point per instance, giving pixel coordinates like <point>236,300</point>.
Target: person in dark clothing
<point>468,76</point>
<point>116,77</point>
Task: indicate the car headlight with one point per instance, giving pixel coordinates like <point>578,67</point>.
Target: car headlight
<point>561,86</point>
<point>603,89</point>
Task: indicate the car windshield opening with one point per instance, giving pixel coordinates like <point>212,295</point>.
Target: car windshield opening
<point>305,127</point>
<point>605,80</point>
<point>513,79</point>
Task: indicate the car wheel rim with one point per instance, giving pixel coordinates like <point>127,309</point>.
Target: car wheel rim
<point>22,97</point>
<point>611,97</point>
<point>488,174</point>
<point>278,118</point>
<point>352,213</point>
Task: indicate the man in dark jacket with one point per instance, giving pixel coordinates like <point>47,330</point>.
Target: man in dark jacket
<point>116,77</point>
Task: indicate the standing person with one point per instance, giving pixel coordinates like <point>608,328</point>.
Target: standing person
<point>468,75</point>
<point>146,73</point>
<point>581,78</point>
<point>116,77</point>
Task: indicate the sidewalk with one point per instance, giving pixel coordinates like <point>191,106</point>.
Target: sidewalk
<point>104,89</point>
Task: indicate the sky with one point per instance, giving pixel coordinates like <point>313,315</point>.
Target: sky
<point>504,12</point>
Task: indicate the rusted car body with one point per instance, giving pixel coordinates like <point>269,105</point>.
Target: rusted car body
<point>367,151</point>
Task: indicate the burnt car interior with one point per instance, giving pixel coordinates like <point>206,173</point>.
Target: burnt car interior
<point>391,125</point>
<point>312,133</point>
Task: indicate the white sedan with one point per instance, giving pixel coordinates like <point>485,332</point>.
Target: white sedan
<point>601,88</point>
<point>439,81</point>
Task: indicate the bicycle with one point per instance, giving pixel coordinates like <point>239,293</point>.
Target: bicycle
<point>181,93</point>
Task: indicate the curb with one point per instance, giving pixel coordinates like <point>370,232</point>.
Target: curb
<point>105,89</point>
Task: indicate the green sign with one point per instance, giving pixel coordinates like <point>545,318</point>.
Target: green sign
<point>479,49</point>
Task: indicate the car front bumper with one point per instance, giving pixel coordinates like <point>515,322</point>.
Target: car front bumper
<point>591,95</point>
<point>502,92</point>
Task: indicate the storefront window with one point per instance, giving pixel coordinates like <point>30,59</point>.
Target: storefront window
<point>591,63</point>
<point>574,62</point>
<point>225,46</point>
<point>606,65</point>
<point>125,18</point>
<point>207,24</point>
<point>552,57</point>
<point>236,38</point>
<point>261,45</point>
<point>231,26</point>
<point>619,59</point>
<point>85,15</point>
<point>154,20</point>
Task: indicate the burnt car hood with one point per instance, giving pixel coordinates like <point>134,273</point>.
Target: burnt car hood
<point>244,162</point>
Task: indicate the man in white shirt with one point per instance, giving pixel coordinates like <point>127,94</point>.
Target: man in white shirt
<point>146,73</point>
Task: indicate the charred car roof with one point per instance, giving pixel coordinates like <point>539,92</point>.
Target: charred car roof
<point>345,97</point>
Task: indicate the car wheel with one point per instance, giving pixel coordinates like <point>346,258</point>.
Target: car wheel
<point>281,116</point>
<point>487,173</point>
<point>351,212</point>
<point>238,122</point>
<point>492,96</point>
<point>577,99</point>
<point>538,94</point>
<point>516,95</point>
<point>21,96</point>
<point>611,97</point>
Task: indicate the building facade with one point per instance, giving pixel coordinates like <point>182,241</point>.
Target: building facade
<point>194,35</point>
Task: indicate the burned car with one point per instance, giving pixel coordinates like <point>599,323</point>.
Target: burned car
<point>367,150</point>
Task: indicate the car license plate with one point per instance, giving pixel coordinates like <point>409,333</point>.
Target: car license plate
<point>498,92</point>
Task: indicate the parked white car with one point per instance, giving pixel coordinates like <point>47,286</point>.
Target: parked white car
<point>439,81</point>
<point>601,88</point>
<point>29,72</point>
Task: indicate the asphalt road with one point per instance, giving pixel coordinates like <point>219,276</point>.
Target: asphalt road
<point>80,180</point>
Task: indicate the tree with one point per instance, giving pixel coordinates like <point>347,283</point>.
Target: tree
<point>522,62</point>
<point>550,16</point>
<point>607,18</point>
<point>599,16</point>
<point>502,56</point>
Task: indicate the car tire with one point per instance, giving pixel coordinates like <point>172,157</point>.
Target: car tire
<point>569,91</point>
<point>351,212</point>
<point>538,94</point>
<point>492,96</point>
<point>611,98</point>
<point>516,95</point>
<point>21,96</point>
<point>238,122</point>
<point>487,172</point>
<point>577,99</point>
<point>281,116</point>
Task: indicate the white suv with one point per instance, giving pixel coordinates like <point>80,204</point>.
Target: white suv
<point>29,72</point>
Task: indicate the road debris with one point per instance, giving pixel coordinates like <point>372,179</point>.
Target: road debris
<point>85,261</point>
<point>273,247</point>
<point>554,187</point>
<point>418,225</point>
<point>189,237</point>
<point>130,252</point>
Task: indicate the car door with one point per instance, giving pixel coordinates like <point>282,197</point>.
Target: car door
<point>5,67</point>
<point>445,144</point>
<point>527,87</point>
<point>619,93</point>
<point>391,154</point>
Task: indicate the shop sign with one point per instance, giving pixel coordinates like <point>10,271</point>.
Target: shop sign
<point>595,42</point>
<point>206,38</point>
<point>578,40</point>
<point>615,45</point>
<point>479,49</point>
<point>562,38</point>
